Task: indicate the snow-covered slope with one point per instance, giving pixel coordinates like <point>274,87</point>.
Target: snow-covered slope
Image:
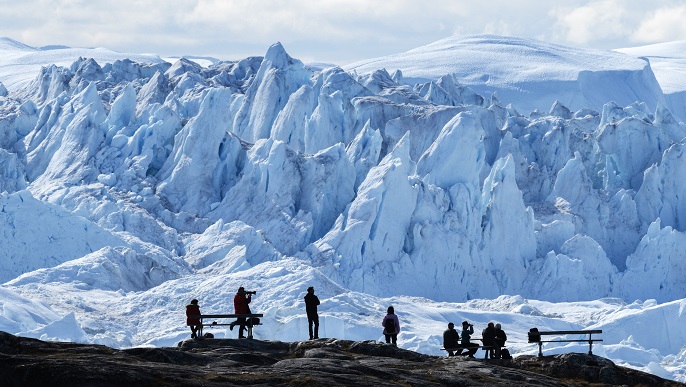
<point>130,188</point>
<point>527,73</point>
<point>668,61</point>
<point>20,63</point>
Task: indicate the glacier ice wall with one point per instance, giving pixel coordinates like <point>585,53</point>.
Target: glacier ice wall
<point>431,190</point>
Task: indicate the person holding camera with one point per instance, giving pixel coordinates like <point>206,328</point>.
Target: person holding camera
<point>240,306</point>
<point>467,332</point>
<point>311,302</point>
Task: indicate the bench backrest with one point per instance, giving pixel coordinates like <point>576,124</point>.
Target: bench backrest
<point>228,315</point>
<point>535,335</point>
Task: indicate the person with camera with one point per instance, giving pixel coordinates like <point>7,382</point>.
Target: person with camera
<point>311,302</point>
<point>240,306</point>
<point>467,332</point>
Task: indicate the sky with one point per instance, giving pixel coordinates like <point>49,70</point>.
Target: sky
<point>331,31</point>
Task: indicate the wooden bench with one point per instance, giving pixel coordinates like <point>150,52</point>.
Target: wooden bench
<point>248,321</point>
<point>535,337</point>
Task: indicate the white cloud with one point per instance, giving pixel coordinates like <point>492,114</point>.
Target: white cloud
<point>596,20</point>
<point>339,31</point>
<point>665,24</point>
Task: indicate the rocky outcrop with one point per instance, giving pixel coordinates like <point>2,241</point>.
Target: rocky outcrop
<point>324,362</point>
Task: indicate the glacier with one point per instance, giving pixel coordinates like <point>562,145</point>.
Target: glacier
<point>130,187</point>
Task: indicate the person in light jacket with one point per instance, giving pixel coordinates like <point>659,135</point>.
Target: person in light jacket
<point>391,326</point>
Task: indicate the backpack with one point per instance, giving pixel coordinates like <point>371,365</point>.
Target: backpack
<point>505,354</point>
<point>390,326</point>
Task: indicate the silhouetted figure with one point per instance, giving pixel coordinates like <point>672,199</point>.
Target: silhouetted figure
<point>467,332</point>
<point>500,339</point>
<point>488,339</point>
<point>451,340</point>
<point>391,327</point>
<point>193,309</point>
<point>311,302</point>
<point>240,306</point>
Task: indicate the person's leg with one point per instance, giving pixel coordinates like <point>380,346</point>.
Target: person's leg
<point>475,347</point>
<point>316,326</point>
<point>388,338</point>
<point>310,321</point>
<point>395,339</point>
<point>194,329</point>
<point>241,323</point>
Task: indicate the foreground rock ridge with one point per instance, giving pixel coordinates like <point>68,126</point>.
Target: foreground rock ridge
<point>323,362</point>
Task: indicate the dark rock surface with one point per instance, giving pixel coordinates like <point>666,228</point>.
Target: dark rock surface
<point>324,362</point>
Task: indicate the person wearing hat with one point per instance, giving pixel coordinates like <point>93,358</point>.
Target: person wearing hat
<point>311,302</point>
<point>451,340</point>
<point>192,319</point>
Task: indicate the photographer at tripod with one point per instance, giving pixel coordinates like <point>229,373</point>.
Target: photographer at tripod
<point>240,306</point>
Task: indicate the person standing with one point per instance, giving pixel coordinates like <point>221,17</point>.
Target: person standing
<point>311,302</point>
<point>192,319</point>
<point>391,326</point>
<point>488,340</point>
<point>240,306</point>
<point>451,340</point>
<point>467,332</point>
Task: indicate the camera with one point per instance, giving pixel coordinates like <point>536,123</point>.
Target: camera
<point>251,292</point>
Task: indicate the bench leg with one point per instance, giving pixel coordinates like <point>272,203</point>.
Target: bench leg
<point>540,349</point>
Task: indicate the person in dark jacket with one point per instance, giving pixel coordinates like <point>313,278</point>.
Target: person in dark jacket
<point>488,339</point>
<point>192,311</point>
<point>391,326</point>
<point>311,302</point>
<point>467,332</point>
<point>451,340</point>
<point>240,306</point>
<point>500,339</point>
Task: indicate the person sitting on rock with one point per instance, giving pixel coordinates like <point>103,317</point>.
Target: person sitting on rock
<point>192,319</point>
<point>451,340</point>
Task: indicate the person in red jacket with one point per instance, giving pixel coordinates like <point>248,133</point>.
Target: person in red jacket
<point>193,310</point>
<point>240,306</point>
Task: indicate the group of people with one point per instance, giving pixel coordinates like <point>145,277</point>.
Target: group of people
<point>456,343</point>
<point>241,301</point>
<point>241,305</point>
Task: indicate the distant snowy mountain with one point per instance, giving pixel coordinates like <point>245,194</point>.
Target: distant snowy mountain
<point>668,61</point>
<point>527,73</point>
<point>131,187</point>
<point>20,63</point>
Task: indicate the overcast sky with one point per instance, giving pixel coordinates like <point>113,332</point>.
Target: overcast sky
<point>333,31</point>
